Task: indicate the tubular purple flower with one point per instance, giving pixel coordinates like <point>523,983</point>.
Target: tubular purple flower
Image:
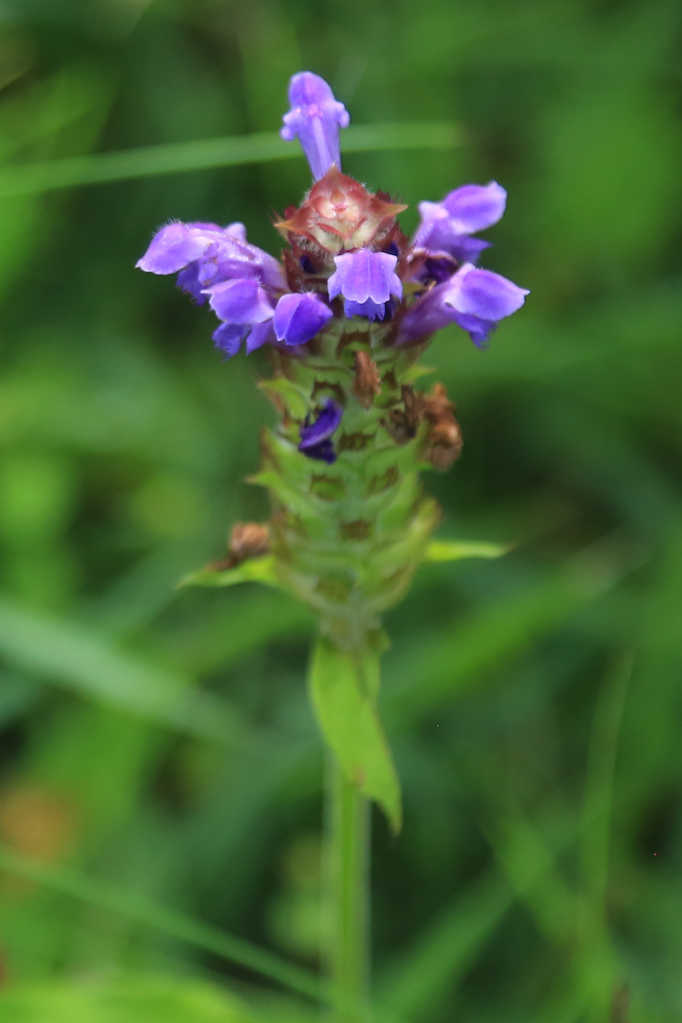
<point>298,317</point>
<point>316,436</point>
<point>176,245</point>
<point>474,299</point>
<point>446,226</point>
<point>206,254</point>
<point>474,207</point>
<point>314,119</point>
<point>366,280</point>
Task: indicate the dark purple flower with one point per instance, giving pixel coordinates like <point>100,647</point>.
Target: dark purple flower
<point>474,299</point>
<point>446,226</point>
<point>366,280</point>
<point>299,317</point>
<point>314,119</point>
<point>316,436</point>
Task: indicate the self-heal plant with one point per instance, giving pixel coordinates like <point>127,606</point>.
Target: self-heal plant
<point>345,314</point>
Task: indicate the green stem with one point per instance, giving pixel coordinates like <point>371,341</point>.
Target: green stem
<point>348,824</point>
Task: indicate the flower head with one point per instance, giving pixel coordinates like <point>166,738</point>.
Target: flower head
<point>314,119</point>
<point>343,240</point>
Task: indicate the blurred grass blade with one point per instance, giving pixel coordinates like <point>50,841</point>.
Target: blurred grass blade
<point>205,154</point>
<point>170,922</point>
<point>505,629</point>
<point>436,961</point>
<point>78,659</point>
<point>598,798</point>
<point>128,998</point>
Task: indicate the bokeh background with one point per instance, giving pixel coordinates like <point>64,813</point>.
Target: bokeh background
<point>160,771</point>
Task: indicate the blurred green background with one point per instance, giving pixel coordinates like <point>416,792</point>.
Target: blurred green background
<point>160,771</point>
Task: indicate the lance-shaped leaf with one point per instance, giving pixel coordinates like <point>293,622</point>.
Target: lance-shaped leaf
<point>455,550</point>
<point>342,689</point>
<point>253,570</point>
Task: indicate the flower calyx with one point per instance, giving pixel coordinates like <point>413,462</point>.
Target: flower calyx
<point>339,214</point>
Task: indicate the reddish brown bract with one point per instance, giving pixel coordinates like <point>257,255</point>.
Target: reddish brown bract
<point>339,213</point>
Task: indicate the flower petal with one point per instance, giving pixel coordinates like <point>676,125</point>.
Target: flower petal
<point>188,281</point>
<point>363,275</point>
<point>371,310</point>
<point>474,207</point>
<point>484,294</point>
<point>228,338</point>
<point>298,317</point>
<point>176,245</point>
<point>477,328</point>
<point>240,301</point>
<point>259,335</point>
<point>323,426</point>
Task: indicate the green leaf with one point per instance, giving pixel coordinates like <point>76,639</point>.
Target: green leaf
<point>173,923</point>
<point>284,390</point>
<point>342,690</point>
<point>455,550</point>
<point>253,570</point>
<point>65,653</point>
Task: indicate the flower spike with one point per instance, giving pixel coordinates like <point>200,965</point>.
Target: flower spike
<point>345,314</point>
<point>314,119</point>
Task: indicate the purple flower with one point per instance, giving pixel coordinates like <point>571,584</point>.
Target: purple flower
<point>366,280</point>
<point>240,301</point>
<point>228,337</point>
<point>446,226</point>
<point>474,299</point>
<point>299,317</point>
<point>206,254</point>
<point>314,119</point>
<point>218,265</point>
<point>316,436</point>
<point>247,312</point>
